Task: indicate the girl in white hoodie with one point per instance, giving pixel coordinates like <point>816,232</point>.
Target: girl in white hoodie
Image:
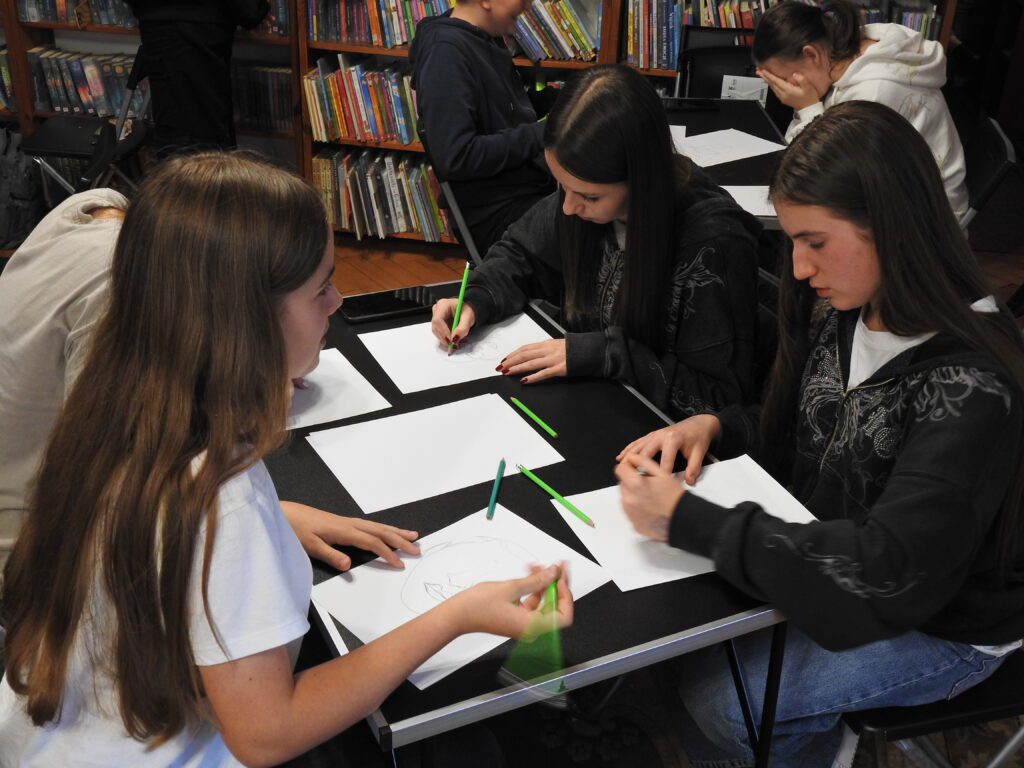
<point>814,56</point>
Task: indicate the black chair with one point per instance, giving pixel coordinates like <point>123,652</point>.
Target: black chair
<point>448,201</point>
<point>91,139</point>
<point>999,697</point>
<point>989,156</point>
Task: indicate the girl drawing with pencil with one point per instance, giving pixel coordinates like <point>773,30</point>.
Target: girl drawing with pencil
<point>654,266</point>
<point>894,413</point>
<point>156,597</point>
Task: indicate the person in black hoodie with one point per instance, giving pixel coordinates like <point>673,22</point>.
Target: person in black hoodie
<point>655,267</point>
<point>477,121</point>
<point>894,414</point>
<point>187,57</point>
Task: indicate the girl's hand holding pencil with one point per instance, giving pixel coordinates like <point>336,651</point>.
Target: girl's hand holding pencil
<point>513,608</point>
<point>441,322</point>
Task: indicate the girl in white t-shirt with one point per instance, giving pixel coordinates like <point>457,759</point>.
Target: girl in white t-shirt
<point>156,596</point>
<point>816,56</point>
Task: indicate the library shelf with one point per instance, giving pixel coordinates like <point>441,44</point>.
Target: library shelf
<point>391,145</point>
<point>402,52</point>
<point>448,239</point>
<point>59,26</point>
<point>656,72</point>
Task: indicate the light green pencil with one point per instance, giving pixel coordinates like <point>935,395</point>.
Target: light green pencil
<point>556,495</point>
<point>534,416</point>
<point>458,305</point>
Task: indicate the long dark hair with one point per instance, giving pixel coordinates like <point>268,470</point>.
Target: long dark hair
<point>787,27</point>
<point>608,126</point>
<point>188,361</point>
<point>869,166</point>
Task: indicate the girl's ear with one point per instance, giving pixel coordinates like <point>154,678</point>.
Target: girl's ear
<point>813,55</point>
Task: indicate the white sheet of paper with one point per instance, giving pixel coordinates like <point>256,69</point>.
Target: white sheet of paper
<point>373,599</point>
<point>749,88</point>
<point>415,361</point>
<point>718,147</point>
<point>678,135</point>
<point>325,617</point>
<point>397,459</point>
<point>635,561</point>
<point>753,200</point>
<point>336,390</point>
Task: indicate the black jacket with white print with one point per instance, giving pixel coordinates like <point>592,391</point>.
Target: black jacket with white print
<point>705,358</point>
<point>906,473</point>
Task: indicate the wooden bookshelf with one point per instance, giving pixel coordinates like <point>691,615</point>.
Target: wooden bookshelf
<point>57,26</point>
<point>389,145</point>
<point>447,239</point>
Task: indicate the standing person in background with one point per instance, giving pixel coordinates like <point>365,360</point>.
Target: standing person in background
<point>814,57</point>
<point>480,123</point>
<point>187,45</point>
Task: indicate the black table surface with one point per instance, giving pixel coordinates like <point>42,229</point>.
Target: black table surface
<point>708,115</point>
<point>595,419</point>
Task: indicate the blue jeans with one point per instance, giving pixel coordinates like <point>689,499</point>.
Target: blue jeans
<point>817,687</point>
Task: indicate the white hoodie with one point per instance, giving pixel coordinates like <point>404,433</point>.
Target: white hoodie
<point>904,72</point>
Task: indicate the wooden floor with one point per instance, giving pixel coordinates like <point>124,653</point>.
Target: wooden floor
<point>379,265</point>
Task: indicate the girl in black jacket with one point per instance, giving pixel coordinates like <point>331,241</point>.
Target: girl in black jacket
<point>894,413</point>
<point>655,267</point>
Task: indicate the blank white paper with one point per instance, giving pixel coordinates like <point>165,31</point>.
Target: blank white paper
<point>678,135</point>
<point>398,459</point>
<point>635,561</point>
<point>415,360</point>
<point>753,200</point>
<point>336,390</point>
<point>718,147</point>
<point>373,599</point>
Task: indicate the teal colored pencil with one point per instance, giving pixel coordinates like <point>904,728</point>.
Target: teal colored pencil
<point>556,495</point>
<point>458,305</point>
<point>494,490</point>
<point>534,416</point>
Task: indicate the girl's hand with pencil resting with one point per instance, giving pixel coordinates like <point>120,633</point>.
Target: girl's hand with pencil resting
<point>319,532</point>
<point>511,608</point>
<point>649,499</point>
<point>441,321</point>
<point>541,360</point>
<point>691,437</point>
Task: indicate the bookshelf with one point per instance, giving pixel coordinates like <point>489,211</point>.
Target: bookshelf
<point>299,53</point>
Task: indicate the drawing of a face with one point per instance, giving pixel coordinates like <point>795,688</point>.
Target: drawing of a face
<point>472,349</point>
<point>446,569</point>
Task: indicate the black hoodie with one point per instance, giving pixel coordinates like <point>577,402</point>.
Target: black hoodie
<point>476,118</point>
<point>906,473</point>
<point>705,358</point>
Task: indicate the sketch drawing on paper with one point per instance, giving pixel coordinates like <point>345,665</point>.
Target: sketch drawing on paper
<point>476,349</point>
<point>446,569</point>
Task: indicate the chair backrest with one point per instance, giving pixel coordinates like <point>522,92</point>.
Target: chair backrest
<point>448,201</point>
<point>989,156</point>
<point>704,68</point>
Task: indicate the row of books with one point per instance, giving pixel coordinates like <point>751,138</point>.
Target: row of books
<point>921,16</point>
<point>278,20</point>
<point>380,193</point>
<point>358,101</point>
<point>6,90</point>
<point>385,23</point>
<point>560,29</point>
<point>651,33</point>
<point>81,83</point>
<point>115,13</point>
<point>732,14</point>
<point>263,96</point>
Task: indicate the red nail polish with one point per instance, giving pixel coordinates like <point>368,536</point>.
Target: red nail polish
<point>524,380</point>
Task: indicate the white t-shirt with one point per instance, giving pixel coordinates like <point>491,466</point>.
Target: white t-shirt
<point>259,589</point>
<point>873,349</point>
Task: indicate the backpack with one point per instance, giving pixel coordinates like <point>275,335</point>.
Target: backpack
<point>21,192</point>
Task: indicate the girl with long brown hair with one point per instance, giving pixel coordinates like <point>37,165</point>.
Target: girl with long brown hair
<point>156,595</point>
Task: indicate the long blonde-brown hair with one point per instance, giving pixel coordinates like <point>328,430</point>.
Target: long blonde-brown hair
<point>188,361</point>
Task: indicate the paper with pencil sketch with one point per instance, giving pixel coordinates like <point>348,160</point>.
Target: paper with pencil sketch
<point>753,200</point>
<point>415,361</point>
<point>334,390</point>
<point>718,147</point>
<point>635,561</point>
<point>411,456</point>
<point>373,599</point>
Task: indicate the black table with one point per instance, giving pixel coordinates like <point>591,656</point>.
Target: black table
<point>709,115</point>
<point>614,632</point>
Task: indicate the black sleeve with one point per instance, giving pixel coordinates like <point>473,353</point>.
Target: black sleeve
<point>709,360</point>
<point>846,583</point>
<point>524,264</point>
<point>447,100</point>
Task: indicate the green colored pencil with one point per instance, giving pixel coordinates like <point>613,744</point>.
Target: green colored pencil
<point>494,490</point>
<point>458,306</point>
<point>556,495</point>
<point>550,597</point>
<point>535,417</point>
